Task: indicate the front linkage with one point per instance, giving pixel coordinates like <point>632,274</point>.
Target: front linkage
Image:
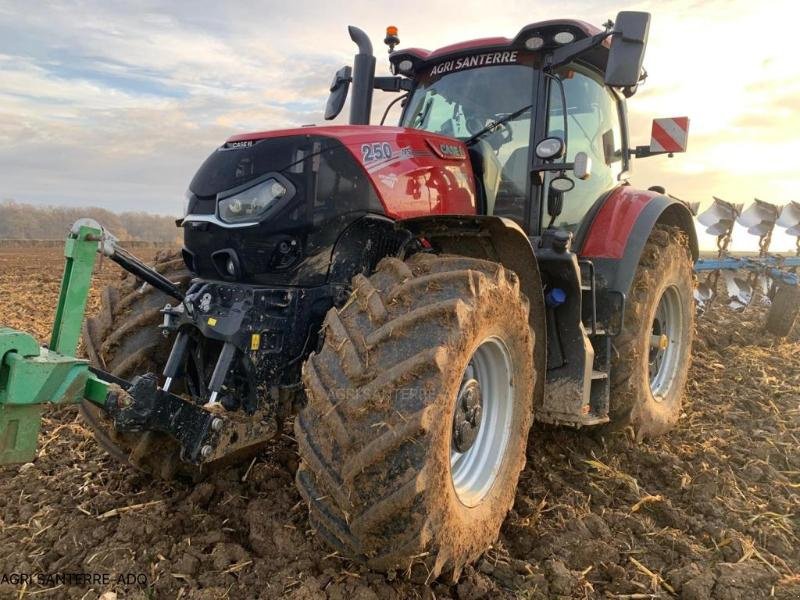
<point>32,376</point>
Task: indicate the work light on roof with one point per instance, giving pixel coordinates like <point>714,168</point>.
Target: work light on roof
<point>534,43</point>
<point>759,218</point>
<point>405,66</point>
<point>564,37</point>
<point>720,217</point>
<point>790,218</point>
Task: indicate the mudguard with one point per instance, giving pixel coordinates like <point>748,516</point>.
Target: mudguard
<point>361,245</point>
<point>619,230</point>
<point>499,240</point>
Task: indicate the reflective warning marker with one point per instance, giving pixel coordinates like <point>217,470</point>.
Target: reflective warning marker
<point>670,135</point>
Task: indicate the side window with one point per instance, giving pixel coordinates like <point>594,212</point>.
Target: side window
<point>592,126</point>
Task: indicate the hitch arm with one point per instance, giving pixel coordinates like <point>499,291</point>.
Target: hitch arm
<point>85,240</point>
<point>32,376</point>
<point>130,263</point>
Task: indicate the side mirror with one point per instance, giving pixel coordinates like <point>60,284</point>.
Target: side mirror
<point>626,54</point>
<point>339,88</point>
<point>582,166</point>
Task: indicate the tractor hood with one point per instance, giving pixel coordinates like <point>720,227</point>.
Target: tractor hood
<point>415,173</point>
<point>277,202</point>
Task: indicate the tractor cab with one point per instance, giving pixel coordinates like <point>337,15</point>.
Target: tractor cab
<point>494,109</point>
<point>541,114</point>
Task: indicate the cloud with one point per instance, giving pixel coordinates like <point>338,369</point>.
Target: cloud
<point>117,104</point>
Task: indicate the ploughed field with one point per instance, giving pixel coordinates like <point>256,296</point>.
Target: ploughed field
<point>710,511</point>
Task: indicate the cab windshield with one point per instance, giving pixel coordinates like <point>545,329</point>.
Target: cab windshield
<point>462,103</point>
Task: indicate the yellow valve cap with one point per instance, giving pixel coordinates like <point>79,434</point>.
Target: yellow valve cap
<point>659,342</point>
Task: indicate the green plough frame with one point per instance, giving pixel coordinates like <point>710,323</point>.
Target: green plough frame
<point>32,376</point>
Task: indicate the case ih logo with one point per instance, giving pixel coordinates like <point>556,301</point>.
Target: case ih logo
<point>447,150</point>
<point>451,150</point>
<point>236,145</point>
<point>669,135</point>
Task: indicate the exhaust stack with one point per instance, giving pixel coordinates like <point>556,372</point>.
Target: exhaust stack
<point>363,78</point>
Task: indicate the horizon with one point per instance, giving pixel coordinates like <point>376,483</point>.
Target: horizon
<point>117,211</point>
<point>116,107</point>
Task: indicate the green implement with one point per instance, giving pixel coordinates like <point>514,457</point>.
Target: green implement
<point>32,376</point>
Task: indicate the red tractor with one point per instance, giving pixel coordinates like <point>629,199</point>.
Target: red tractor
<point>417,295</point>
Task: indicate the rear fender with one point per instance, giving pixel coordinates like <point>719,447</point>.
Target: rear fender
<point>498,240</point>
<point>620,229</point>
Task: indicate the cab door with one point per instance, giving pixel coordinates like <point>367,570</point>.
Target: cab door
<point>593,125</point>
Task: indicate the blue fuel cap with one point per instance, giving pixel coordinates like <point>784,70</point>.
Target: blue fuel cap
<point>555,297</point>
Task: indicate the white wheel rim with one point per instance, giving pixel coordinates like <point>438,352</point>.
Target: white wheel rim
<point>666,343</point>
<point>474,471</point>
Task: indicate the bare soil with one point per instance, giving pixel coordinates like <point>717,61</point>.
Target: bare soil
<point>709,511</point>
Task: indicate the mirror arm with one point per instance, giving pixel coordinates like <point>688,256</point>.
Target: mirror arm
<point>563,55</point>
<point>393,84</point>
<point>562,166</point>
<point>644,152</point>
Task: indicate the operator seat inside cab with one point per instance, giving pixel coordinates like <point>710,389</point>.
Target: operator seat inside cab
<point>513,181</point>
<point>511,194</point>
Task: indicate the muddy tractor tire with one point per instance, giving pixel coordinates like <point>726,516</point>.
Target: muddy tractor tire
<point>783,312</point>
<point>124,339</point>
<point>653,351</point>
<point>419,407</point>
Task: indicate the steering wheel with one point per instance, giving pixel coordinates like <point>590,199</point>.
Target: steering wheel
<point>504,132</point>
<point>474,124</point>
<point>499,136</point>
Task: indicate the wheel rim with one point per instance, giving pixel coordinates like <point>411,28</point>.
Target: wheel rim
<point>666,343</point>
<point>477,455</point>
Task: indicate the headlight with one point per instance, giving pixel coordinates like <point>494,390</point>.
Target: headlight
<point>251,203</point>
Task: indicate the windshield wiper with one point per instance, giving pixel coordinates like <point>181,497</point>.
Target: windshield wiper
<point>423,114</point>
<point>494,124</point>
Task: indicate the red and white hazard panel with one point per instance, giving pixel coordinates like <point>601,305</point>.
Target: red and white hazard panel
<point>670,135</point>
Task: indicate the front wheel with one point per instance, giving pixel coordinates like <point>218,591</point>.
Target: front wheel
<point>653,351</point>
<point>419,407</point>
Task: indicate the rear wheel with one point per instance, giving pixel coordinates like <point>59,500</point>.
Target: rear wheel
<point>419,407</point>
<point>783,313</point>
<point>653,351</point>
<point>124,339</point>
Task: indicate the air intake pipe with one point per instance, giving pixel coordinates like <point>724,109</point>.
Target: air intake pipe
<point>363,78</point>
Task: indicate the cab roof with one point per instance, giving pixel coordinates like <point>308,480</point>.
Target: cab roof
<point>422,58</point>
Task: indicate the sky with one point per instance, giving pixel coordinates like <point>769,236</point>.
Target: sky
<point>116,104</point>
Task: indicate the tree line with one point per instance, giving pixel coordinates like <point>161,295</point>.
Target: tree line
<point>20,221</point>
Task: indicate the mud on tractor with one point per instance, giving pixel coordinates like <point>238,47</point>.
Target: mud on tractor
<point>414,296</point>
